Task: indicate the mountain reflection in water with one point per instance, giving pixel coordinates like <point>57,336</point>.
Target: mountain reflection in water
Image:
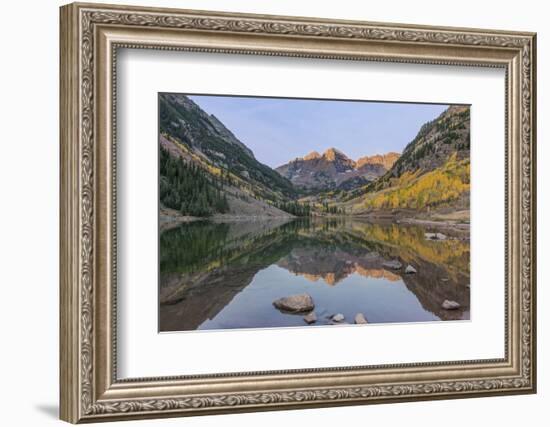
<point>227,275</point>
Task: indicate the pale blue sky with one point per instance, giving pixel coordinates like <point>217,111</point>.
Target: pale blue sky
<point>278,129</point>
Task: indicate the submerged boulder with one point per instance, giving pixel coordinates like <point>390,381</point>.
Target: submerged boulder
<point>295,303</point>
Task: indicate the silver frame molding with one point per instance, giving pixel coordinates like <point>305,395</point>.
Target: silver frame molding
<point>90,37</point>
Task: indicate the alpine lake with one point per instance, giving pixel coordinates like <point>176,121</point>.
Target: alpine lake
<point>227,275</point>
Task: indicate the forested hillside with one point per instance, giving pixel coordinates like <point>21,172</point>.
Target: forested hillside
<point>186,188</point>
<point>414,190</point>
<point>434,169</point>
<point>205,135</point>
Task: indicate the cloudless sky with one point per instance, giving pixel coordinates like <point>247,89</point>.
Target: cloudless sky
<point>278,130</point>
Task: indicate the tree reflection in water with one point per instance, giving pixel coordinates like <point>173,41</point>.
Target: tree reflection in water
<point>226,275</point>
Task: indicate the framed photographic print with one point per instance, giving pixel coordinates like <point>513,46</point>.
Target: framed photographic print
<point>265,212</point>
<point>267,236</point>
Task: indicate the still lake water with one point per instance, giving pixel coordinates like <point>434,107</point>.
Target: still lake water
<point>227,275</point>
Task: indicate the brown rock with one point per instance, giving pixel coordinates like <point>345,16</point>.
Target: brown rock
<point>295,303</point>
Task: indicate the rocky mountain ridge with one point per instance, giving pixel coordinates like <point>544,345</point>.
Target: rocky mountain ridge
<point>334,169</point>
<point>387,160</point>
<point>205,170</point>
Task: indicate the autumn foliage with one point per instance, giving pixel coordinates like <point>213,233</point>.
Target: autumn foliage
<point>413,190</point>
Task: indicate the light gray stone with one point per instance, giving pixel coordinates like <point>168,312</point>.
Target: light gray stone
<point>435,236</point>
<point>360,319</point>
<point>410,269</point>
<point>310,318</point>
<point>338,317</point>
<point>450,305</point>
<point>393,264</point>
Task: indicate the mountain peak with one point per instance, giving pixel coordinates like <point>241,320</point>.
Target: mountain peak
<point>387,160</point>
<point>311,156</point>
<point>332,169</point>
<point>332,153</point>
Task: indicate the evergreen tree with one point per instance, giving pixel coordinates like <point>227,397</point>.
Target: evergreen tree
<point>189,189</point>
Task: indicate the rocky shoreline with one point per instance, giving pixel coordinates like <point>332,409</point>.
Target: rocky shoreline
<point>169,218</point>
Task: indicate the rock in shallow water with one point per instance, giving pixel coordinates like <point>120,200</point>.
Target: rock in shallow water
<point>410,269</point>
<point>450,305</point>
<point>338,317</point>
<point>310,318</point>
<point>360,319</point>
<point>295,303</point>
<point>394,264</point>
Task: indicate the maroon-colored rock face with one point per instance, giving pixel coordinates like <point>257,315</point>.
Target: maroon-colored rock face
<point>334,169</point>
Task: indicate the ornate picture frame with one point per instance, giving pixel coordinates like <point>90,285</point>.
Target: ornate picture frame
<point>90,37</point>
